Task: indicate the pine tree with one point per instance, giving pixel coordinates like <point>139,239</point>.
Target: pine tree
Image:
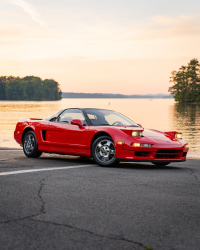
<point>186,83</point>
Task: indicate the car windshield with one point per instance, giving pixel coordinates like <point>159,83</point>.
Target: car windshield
<point>108,117</point>
<point>51,117</point>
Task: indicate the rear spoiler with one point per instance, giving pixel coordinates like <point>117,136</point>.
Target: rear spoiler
<point>35,119</point>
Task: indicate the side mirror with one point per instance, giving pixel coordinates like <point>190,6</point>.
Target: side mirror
<point>139,125</point>
<point>77,122</point>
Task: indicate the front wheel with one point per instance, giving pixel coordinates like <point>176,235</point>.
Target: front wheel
<point>103,151</point>
<point>30,145</point>
<point>161,164</point>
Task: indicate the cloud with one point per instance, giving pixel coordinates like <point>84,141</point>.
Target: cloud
<point>164,27</point>
<point>29,9</point>
<point>157,28</point>
<point>10,32</point>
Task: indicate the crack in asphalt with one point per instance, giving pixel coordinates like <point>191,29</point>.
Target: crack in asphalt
<point>77,228</point>
<point>19,219</point>
<point>95,234</point>
<point>42,209</point>
<point>193,173</point>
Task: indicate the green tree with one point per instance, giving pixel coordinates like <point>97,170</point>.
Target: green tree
<point>2,88</point>
<point>186,83</point>
<point>29,88</point>
<point>194,79</point>
<point>3,81</point>
<point>14,90</point>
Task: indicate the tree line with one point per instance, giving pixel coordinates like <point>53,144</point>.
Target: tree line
<point>29,88</point>
<point>186,82</point>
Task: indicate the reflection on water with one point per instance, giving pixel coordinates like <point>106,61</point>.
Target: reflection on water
<point>161,114</point>
<point>186,118</point>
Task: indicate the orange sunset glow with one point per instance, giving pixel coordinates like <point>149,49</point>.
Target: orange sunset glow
<point>121,47</point>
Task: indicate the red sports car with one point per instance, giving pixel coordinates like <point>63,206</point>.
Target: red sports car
<point>105,135</point>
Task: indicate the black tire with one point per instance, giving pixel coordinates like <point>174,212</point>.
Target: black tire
<point>30,146</point>
<point>161,164</point>
<point>107,148</point>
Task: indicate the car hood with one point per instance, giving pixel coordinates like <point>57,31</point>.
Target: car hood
<point>151,136</point>
<point>153,133</point>
<point>158,137</point>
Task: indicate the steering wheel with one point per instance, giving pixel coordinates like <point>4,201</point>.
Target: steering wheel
<point>117,123</point>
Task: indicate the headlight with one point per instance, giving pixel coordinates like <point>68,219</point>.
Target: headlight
<point>136,133</point>
<point>186,146</point>
<point>141,144</point>
<point>178,136</point>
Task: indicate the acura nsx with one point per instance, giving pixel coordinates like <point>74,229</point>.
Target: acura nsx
<point>105,135</point>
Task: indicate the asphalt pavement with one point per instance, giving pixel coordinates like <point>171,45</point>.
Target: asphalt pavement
<point>66,202</point>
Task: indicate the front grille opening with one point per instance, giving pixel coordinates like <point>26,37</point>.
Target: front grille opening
<point>141,154</point>
<point>168,151</point>
<point>163,156</point>
<point>184,154</point>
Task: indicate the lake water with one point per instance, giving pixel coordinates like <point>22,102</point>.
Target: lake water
<point>161,114</point>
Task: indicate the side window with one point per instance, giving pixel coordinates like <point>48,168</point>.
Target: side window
<point>68,115</point>
<point>93,119</point>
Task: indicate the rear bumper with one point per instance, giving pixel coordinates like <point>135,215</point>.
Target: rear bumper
<point>152,155</point>
<point>18,136</point>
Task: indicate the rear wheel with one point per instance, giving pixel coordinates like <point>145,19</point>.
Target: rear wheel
<point>161,164</point>
<point>30,145</point>
<point>103,151</point>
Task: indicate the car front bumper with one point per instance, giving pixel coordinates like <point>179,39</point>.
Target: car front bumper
<point>152,154</point>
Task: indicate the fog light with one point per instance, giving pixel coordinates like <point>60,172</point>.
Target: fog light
<point>186,146</point>
<point>178,136</point>
<point>145,145</point>
<point>136,144</point>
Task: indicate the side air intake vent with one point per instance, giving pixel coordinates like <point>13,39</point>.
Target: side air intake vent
<point>44,134</point>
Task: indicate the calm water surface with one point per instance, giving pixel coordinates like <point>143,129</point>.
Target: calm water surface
<point>163,114</point>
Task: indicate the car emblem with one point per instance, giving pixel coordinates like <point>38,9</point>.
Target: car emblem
<point>168,141</point>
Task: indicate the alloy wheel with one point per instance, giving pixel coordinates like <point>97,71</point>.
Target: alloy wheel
<point>105,151</point>
<point>29,143</point>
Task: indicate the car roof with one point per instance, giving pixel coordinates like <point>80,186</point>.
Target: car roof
<point>90,108</point>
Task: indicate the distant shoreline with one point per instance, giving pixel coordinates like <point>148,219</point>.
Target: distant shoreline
<point>101,95</point>
<point>188,102</point>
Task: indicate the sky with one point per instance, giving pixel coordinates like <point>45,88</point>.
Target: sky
<point>107,46</point>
